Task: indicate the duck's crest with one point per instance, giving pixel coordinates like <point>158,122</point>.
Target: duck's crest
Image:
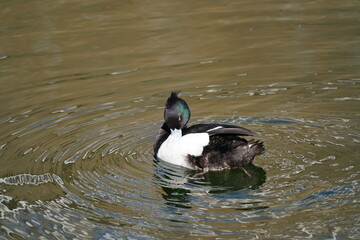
<point>172,99</point>
<point>174,94</point>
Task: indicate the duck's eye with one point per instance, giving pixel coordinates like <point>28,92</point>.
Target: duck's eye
<point>180,118</point>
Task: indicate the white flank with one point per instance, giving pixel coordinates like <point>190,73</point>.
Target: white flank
<point>176,147</point>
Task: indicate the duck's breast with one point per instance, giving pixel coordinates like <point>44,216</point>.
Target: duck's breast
<point>176,148</point>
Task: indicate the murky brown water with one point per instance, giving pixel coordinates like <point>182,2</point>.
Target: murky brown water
<point>83,89</point>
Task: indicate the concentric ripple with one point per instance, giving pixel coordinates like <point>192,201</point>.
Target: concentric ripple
<point>87,173</point>
<point>83,85</point>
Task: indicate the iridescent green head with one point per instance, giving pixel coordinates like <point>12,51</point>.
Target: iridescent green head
<point>177,112</point>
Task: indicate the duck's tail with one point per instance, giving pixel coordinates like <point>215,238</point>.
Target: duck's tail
<point>255,147</point>
<point>251,150</point>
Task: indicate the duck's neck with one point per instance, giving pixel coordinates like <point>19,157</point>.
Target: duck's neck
<point>177,133</point>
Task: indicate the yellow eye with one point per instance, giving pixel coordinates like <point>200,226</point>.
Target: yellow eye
<point>180,118</point>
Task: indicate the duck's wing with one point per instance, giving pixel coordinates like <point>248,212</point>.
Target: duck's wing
<point>218,129</point>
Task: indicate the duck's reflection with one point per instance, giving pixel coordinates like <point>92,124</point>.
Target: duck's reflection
<point>247,177</point>
<point>179,184</point>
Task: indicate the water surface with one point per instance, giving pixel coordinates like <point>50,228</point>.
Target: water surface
<point>82,96</point>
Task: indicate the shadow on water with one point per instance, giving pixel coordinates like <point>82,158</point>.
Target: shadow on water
<point>180,185</point>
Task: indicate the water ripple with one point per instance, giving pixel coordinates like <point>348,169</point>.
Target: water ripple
<point>101,174</point>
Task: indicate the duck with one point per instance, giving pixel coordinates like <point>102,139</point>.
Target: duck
<point>203,147</point>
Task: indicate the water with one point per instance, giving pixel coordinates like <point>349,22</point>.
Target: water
<point>82,96</point>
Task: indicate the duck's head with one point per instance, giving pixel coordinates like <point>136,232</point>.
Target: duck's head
<point>177,112</point>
